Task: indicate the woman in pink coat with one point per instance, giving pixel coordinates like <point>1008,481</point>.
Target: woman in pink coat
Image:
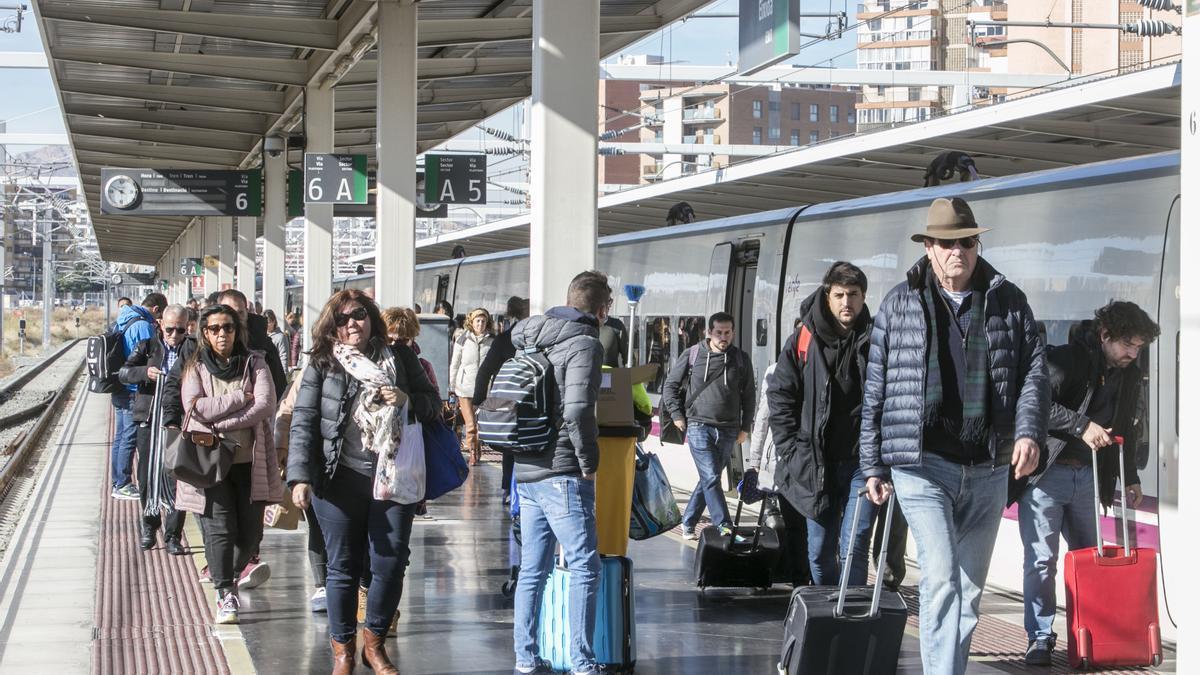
<point>227,389</point>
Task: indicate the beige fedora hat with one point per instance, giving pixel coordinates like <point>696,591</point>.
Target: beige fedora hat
<point>949,219</point>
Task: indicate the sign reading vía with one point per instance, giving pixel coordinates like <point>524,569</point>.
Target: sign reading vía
<point>455,179</point>
<point>180,192</point>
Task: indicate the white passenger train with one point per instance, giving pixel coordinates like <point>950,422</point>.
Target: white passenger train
<point>1071,238</point>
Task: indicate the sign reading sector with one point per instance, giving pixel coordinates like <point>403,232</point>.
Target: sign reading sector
<point>768,32</point>
<point>180,192</point>
<point>455,179</point>
<point>335,179</point>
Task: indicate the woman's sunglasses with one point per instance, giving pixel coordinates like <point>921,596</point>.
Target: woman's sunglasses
<point>215,328</point>
<point>359,314</point>
<point>965,242</point>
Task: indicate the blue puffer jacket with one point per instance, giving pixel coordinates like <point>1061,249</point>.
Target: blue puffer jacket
<point>894,392</point>
<point>136,324</point>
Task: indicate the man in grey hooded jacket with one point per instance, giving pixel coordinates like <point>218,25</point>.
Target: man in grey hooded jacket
<point>556,486</point>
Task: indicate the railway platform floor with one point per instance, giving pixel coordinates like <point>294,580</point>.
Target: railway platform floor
<point>77,595</point>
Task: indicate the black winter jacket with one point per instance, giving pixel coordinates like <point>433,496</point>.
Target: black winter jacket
<point>147,353</point>
<point>1074,371</point>
<point>323,407</point>
<point>799,399</point>
<point>569,340</point>
<point>727,401</point>
<point>894,391</point>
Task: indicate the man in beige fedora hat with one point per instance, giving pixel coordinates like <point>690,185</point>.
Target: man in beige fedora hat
<point>956,394</point>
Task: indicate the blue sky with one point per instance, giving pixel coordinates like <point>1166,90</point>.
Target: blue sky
<point>28,98</point>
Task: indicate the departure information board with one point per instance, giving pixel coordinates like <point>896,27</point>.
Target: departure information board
<point>180,192</point>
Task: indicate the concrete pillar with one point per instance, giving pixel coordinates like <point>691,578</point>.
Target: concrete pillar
<point>318,218</point>
<point>247,235</point>
<point>395,148</point>
<point>1178,562</point>
<point>227,245</point>
<point>210,245</point>
<point>274,222</point>
<point>562,235</point>
<point>672,121</point>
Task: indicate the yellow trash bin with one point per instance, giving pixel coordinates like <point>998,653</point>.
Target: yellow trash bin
<point>614,488</point>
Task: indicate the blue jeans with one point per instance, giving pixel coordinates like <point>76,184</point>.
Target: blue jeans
<point>1062,502</point>
<point>953,511</point>
<point>711,449</point>
<point>124,438</point>
<point>829,535</point>
<point>562,509</point>
<point>362,530</point>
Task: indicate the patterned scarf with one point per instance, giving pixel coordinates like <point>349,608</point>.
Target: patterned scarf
<point>380,422</point>
<point>972,427</point>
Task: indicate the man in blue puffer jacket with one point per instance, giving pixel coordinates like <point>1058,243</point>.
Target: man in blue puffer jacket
<point>136,323</point>
<point>956,392</point>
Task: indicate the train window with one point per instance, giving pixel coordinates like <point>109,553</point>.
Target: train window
<point>658,349</point>
<point>690,330</point>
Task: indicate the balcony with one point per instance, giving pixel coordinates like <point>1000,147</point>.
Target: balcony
<point>702,115</point>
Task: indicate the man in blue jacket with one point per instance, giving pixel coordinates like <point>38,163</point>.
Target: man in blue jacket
<point>136,324</point>
<point>956,392</point>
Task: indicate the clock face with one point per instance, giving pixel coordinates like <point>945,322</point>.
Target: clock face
<point>122,192</point>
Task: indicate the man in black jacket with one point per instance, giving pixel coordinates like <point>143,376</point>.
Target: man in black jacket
<point>816,410</point>
<point>1095,390</point>
<point>151,360</point>
<point>710,395</point>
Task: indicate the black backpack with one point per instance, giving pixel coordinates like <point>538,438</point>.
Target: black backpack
<point>518,413</point>
<point>105,356</point>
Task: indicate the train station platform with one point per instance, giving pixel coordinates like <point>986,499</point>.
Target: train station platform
<point>78,595</point>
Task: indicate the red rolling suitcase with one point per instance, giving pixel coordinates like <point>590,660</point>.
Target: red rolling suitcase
<point>1112,597</point>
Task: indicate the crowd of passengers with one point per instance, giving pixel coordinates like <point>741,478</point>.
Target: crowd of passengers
<point>946,397</point>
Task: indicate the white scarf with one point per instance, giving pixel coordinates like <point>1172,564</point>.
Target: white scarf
<point>380,422</point>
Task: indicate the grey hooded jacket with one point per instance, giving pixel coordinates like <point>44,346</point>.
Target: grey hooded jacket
<point>569,340</point>
<point>894,391</point>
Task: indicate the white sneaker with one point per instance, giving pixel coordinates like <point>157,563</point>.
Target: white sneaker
<point>689,533</point>
<point>227,608</point>
<point>317,601</point>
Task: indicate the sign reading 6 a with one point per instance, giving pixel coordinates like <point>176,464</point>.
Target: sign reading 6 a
<point>335,179</point>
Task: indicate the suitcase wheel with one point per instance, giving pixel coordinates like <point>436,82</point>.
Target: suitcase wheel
<point>1083,664</point>
<point>509,588</point>
<point>1157,660</point>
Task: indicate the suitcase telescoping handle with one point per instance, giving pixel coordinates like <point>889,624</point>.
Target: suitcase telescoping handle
<point>1120,440</point>
<point>845,580</point>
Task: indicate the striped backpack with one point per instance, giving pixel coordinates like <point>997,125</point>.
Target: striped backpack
<point>517,414</point>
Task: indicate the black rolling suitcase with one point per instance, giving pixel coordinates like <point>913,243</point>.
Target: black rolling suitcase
<point>838,630</point>
<point>743,560</point>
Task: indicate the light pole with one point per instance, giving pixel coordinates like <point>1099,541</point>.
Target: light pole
<point>47,282</point>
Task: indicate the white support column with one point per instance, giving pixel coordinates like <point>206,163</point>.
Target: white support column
<point>210,245</point>
<point>227,245</point>
<point>247,234</point>
<point>1177,563</point>
<point>274,221</point>
<point>395,148</point>
<point>318,218</point>
<point>562,235</point>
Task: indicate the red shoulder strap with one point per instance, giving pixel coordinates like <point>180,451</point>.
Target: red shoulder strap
<point>802,344</point>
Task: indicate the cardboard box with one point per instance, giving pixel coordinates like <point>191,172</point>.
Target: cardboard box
<point>614,405</point>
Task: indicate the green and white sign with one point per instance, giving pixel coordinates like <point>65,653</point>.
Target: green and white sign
<point>335,179</point>
<point>455,179</point>
<point>768,32</point>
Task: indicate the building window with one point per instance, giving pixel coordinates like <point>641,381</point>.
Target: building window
<point>757,112</point>
<point>773,106</point>
<point>757,136</point>
<point>814,112</point>
<point>834,114</point>
<point>850,116</point>
<point>813,137</point>
<point>914,93</point>
<point>795,137</point>
<point>796,111</point>
<point>773,134</point>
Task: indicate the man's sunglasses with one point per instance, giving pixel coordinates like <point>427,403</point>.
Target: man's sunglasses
<point>965,242</point>
<point>359,314</point>
<point>215,328</point>
<point>171,330</point>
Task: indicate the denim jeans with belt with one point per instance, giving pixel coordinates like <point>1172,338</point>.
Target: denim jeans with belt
<point>829,535</point>
<point>1062,502</point>
<point>711,449</point>
<point>559,509</point>
<point>954,512</point>
<point>358,527</point>
<point>124,437</point>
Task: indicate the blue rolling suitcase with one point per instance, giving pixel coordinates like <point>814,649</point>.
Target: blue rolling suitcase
<point>614,640</point>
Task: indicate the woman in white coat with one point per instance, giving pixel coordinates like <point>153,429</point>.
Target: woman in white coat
<point>470,348</point>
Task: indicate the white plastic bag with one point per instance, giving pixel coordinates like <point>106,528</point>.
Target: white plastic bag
<point>400,471</point>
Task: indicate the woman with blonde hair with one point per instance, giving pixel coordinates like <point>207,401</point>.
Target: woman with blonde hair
<point>470,348</point>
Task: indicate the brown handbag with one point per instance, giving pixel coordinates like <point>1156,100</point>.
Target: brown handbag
<point>199,458</point>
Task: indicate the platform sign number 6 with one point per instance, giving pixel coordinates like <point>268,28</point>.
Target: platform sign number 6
<point>335,179</point>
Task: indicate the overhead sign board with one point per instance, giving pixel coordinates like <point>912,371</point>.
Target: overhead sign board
<point>295,200</point>
<point>455,179</point>
<point>180,192</point>
<point>768,32</point>
<point>191,267</point>
<point>335,179</point>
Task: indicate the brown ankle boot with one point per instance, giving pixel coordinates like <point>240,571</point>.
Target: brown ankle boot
<point>374,656</point>
<point>343,657</point>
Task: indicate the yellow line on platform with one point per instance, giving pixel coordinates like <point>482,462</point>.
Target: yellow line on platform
<point>233,642</point>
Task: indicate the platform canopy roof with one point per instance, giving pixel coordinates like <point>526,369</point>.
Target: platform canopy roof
<point>1098,119</point>
<point>199,83</point>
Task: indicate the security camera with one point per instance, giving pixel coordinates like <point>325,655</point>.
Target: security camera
<point>274,145</point>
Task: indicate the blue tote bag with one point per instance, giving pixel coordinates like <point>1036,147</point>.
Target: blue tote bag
<point>445,468</point>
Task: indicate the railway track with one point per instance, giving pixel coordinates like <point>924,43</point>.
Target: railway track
<point>29,401</point>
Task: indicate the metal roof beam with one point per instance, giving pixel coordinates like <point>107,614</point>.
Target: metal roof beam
<point>288,31</point>
<point>270,102</point>
<point>1062,154</point>
<point>1164,136</point>
<point>162,151</point>
<point>245,123</point>
<point>363,100</point>
<point>251,68</point>
<point>450,32</point>
<point>365,71</point>
<point>206,140</point>
<point>109,160</point>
